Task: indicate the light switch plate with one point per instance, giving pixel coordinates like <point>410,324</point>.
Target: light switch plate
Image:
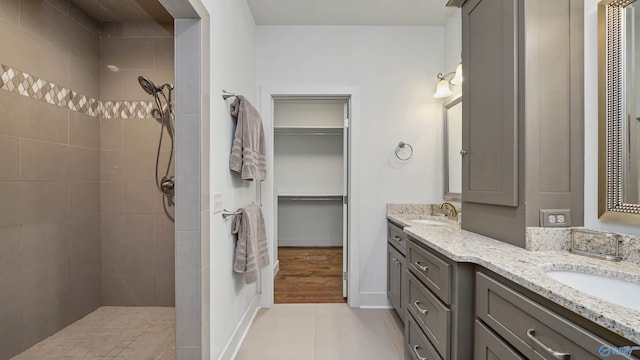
<point>555,217</point>
<point>218,204</point>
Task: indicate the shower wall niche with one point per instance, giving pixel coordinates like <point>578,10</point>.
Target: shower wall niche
<point>81,221</point>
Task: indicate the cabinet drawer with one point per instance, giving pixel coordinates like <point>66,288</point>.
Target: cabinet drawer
<point>432,271</point>
<point>418,345</point>
<point>431,314</point>
<point>531,328</point>
<point>397,237</point>
<point>488,346</point>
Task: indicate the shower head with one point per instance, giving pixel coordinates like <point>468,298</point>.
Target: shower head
<point>148,86</point>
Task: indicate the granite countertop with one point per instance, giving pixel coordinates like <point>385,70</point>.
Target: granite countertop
<point>527,268</point>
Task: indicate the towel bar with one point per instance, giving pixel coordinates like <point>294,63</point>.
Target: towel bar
<point>226,94</point>
<point>226,213</point>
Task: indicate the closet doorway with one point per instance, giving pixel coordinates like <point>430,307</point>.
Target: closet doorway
<point>311,162</point>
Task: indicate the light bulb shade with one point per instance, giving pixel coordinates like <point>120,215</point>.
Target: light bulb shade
<point>457,78</point>
<point>442,90</point>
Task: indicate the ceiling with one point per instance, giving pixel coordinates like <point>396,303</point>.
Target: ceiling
<point>125,10</point>
<point>350,12</point>
<point>291,12</point>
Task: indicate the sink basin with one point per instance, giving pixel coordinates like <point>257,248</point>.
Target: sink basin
<point>621,292</point>
<point>428,222</point>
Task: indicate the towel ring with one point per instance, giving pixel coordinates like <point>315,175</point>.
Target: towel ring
<point>401,145</point>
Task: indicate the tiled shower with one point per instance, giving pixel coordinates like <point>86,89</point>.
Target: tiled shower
<point>82,224</point>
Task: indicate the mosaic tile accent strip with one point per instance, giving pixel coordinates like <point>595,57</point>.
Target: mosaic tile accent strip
<point>25,84</point>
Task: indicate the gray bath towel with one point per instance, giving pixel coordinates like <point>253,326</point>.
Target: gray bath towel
<point>248,149</point>
<point>251,248</point>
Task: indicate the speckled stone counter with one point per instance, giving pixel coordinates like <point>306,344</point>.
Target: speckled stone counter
<point>527,268</point>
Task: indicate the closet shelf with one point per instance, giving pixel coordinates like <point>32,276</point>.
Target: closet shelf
<point>308,130</point>
<point>311,197</point>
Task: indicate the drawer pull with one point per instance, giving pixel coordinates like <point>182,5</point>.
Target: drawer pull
<point>396,238</point>
<point>420,266</point>
<point>417,305</point>
<point>415,350</point>
<point>531,334</point>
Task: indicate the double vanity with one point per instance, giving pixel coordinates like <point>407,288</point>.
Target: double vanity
<point>466,296</point>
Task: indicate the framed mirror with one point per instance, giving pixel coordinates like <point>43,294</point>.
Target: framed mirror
<point>452,147</point>
<point>619,110</point>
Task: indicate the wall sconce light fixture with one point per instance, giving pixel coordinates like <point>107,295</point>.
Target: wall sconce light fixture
<point>442,89</point>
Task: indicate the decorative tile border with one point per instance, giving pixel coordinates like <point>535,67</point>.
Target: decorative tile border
<point>25,84</point>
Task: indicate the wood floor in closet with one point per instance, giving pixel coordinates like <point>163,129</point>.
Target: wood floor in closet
<point>309,275</point>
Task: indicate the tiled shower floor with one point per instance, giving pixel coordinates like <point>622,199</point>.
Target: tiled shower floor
<point>122,333</point>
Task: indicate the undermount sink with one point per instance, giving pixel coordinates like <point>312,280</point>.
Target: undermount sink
<point>621,292</point>
<point>428,222</point>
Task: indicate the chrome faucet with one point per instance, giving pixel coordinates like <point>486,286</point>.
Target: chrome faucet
<point>449,209</point>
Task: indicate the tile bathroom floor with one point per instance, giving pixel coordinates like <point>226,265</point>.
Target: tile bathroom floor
<point>110,333</point>
<point>323,332</point>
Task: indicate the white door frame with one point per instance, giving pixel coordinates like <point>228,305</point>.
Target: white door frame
<point>268,197</point>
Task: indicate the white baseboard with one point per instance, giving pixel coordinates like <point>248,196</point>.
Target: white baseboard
<point>374,300</point>
<point>231,349</point>
<point>276,268</point>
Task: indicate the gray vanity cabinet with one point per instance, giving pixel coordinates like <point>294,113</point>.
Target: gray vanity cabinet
<point>490,107</point>
<point>439,306</point>
<point>488,346</point>
<point>396,274</point>
<point>509,316</point>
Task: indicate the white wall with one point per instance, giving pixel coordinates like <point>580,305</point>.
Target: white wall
<point>394,70</point>
<point>591,126</point>
<point>233,68</point>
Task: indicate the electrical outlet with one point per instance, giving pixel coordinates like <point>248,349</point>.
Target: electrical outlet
<point>555,217</point>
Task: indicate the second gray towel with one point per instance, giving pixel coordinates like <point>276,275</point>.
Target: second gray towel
<point>251,248</point>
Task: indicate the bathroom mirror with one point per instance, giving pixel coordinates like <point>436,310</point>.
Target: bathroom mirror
<point>452,147</point>
<point>619,111</point>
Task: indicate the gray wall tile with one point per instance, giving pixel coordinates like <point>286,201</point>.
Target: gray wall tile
<point>49,23</point>
<point>135,290</point>
<point>32,201</point>
<point>123,85</point>
<point>45,281</point>
<point>28,118</point>
<point>43,161</point>
<point>84,164</point>
<point>84,130</point>
<point>10,159</point>
<point>143,134</point>
<point>141,197</point>
<point>188,315</point>
<point>50,272</point>
<point>84,236</point>
<point>164,53</point>
<point>110,134</point>
<point>188,173</point>
<point>84,198</point>
<point>33,54</point>
<point>127,53</point>
<point>111,197</point>
<point>10,333</point>
<point>10,10</point>
<point>189,353</point>
<point>43,319</point>
<point>83,18</point>
<point>42,241</point>
<point>9,248</point>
